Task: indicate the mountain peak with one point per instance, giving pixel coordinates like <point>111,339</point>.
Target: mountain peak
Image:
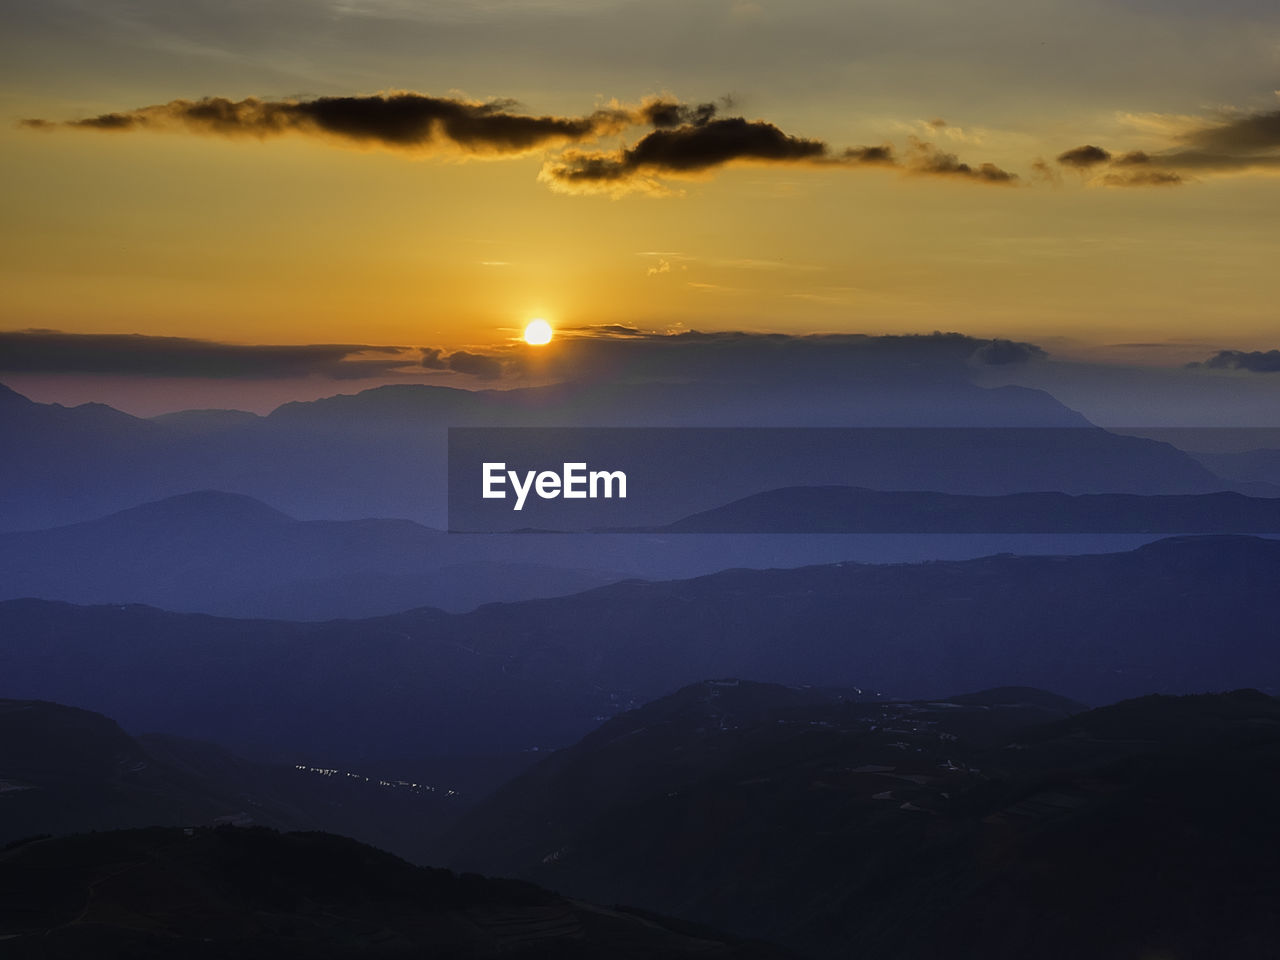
<point>411,400</point>
<point>206,506</point>
<point>10,397</point>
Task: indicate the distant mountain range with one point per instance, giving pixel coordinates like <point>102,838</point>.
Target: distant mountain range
<point>1178,615</point>
<point>999,825</point>
<point>859,510</point>
<point>232,555</point>
<point>1248,466</point>
<point>381,453</point>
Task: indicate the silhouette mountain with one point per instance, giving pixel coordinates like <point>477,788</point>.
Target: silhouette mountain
<point>200,512</point>
<point>858,510</point>
<point>1175,616</point>
<point>252,894</point>
<point>998,825</point>
<point>10,399</point>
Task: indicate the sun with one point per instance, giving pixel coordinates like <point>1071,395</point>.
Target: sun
<point>537,332</point>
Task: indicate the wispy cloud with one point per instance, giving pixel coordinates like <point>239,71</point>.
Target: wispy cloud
<point>1228,143</point>
<point>139,355</point>
<point>1254,361</point>
<point>732,356</point>
<point>925,158</point>
<point>52,351</point>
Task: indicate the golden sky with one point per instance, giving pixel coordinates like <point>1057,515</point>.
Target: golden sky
<point>302,236</point>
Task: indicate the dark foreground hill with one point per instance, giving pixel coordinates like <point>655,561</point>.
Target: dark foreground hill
<point>1175,616</point>
<point>1000,825</point>
<point>65,770</point>
<point>254,894</point>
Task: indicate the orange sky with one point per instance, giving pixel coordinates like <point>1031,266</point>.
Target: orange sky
<point>300,239</point>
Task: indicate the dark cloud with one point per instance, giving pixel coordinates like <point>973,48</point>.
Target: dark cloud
<point>716,142</point>
<point>999,353</point>
<point>929,160</point>
<point>1041,170</point>
<point>1084,157</point>
<point>1237,136</point>
<point>1137,168</point>
<point>1257,361</point>
<point>51,351</point>
<point>662,113</point>
<point>1231,144</point>
<point>695,148</point>
<point>475,364</point>
<point>881,155</point>
<point>434,359</point>
<point>695,356</point>
<point>407,121</point>
<point>686,149</point>
<point>687,138</point>
<point>1143,178</point>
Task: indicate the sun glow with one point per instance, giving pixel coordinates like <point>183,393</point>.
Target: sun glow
<point>537,332</point>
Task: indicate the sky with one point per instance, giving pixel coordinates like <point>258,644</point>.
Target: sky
<point>1096,178</point>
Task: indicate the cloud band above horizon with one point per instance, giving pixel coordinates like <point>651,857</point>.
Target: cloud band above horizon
<point>685,139</point>
<point>139,355</point>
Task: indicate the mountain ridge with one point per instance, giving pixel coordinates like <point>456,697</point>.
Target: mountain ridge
<point>1173,617</point>
<point>381,452</point>
<point>852,509</point>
